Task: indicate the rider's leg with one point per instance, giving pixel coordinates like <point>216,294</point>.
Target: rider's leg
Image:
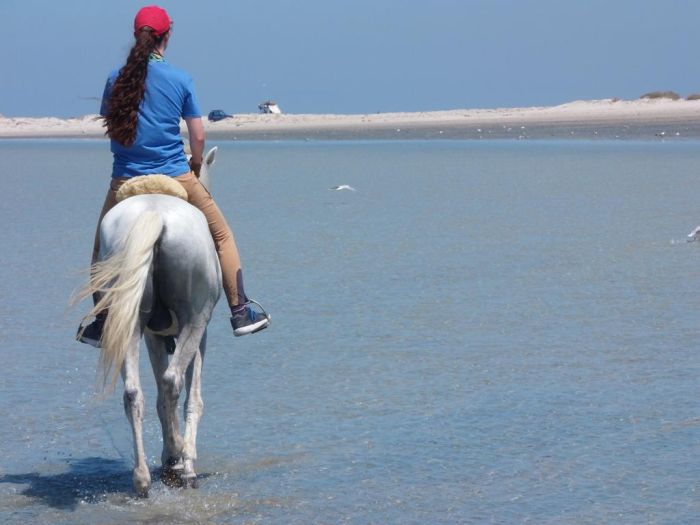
<point>243,319</point>
<point>231,273</point>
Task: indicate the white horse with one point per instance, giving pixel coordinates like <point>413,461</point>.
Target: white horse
<point>158,266</point>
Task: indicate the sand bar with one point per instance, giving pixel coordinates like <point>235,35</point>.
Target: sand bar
<point>661,118</point>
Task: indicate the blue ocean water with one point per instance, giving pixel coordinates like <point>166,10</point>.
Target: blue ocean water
<point>483,332</point>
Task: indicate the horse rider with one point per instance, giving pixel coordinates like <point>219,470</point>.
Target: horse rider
<point>142,105</point>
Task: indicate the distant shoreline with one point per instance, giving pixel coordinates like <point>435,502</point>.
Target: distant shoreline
<point>644,118</point>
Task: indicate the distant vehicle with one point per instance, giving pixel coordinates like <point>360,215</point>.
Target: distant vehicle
<point>218,114</point>
<point>269,107</point>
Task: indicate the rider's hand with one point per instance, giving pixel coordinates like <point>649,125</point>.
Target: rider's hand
<point>195,167</point>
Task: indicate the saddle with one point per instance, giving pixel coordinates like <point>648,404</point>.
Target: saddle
<point>146,184</point>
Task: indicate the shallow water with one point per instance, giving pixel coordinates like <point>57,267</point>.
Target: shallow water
<point>492,331</point>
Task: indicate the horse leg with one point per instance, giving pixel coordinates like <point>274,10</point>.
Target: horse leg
<point>194,407</point>
<point>134,408</point>
<point>172,442</point>
<point>187,353</point>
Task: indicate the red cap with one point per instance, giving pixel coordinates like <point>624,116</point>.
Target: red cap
<point>154,17</point>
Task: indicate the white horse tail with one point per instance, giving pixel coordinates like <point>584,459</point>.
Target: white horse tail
<point>120,281</point>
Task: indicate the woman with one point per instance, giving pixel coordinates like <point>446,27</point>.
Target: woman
<point>142,105</point>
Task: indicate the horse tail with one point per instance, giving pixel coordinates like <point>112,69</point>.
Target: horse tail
<point>120,281</point>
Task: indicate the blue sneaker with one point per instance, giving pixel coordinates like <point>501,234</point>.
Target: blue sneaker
<point>246,320</point>
<point>92,333</point>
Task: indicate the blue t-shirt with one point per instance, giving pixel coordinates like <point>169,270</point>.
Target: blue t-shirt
<point>158,147</point>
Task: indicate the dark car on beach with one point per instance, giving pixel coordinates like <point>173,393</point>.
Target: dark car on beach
<point>218,114</point>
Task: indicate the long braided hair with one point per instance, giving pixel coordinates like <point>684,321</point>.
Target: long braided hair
<point>128,90</point>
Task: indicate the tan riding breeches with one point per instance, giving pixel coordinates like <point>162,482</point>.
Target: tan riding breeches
<point>200,198</point>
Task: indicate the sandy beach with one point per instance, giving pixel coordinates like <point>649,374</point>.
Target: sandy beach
<point>661,118</point>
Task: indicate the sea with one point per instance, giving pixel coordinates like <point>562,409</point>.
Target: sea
<point>497,331</point>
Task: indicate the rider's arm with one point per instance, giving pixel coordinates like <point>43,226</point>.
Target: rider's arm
<point>195,130</point>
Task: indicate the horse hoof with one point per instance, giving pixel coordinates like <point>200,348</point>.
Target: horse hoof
<point>142,489</point>
<point>190,482</point>
<point>171,477</point>
<point>142,482</point>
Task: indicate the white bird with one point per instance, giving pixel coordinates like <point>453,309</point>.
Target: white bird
<point>694,235</point>
<point>343,187</point>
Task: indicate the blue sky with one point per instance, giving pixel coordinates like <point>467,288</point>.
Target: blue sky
<point>360,56</point>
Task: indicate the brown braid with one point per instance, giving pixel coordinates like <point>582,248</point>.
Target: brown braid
<point>129,88</point>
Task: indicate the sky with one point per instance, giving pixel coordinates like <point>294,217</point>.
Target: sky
<point>359,56</point>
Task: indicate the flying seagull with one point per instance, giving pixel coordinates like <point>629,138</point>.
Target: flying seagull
<point>343,187</point>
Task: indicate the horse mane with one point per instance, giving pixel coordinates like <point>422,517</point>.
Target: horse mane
<point>151,184</point>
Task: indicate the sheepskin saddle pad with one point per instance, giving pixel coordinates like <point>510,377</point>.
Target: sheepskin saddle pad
<point>151,184</point>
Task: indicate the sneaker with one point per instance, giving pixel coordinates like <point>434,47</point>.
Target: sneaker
<point>92,333</point>
<point>248,321</point>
